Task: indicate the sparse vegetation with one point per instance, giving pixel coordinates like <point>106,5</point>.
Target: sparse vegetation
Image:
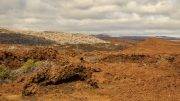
<point>4,73</point>
<point>27,67</point>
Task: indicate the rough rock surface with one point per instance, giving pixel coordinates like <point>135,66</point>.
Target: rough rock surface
<point>15,59</point>
<point>55,75</point>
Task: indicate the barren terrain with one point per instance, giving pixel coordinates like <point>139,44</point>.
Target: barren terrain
<point>116,70</point>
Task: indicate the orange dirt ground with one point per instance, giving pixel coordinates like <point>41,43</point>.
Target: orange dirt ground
<point>148,71</point>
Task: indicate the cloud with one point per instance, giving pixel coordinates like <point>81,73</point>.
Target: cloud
<point>159,7</point>
<point>93,16</point>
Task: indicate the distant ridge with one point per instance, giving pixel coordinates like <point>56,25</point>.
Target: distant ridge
<point>138,38</point>
<point>102,36</point>
<point>58,37</point>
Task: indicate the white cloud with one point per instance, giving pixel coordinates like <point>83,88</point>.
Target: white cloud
<point>113,16</point>
<point>159,7</point>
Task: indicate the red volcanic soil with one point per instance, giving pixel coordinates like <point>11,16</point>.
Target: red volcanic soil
<point>149,71</point>
<point>154,45</point>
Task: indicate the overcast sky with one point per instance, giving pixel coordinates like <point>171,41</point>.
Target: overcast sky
<point>116,17</point>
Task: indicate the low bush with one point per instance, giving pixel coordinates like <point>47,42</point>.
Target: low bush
<point>25,68</point>
<point>4,73</point>
<point>28,67</point>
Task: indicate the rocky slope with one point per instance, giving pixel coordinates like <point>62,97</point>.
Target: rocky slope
<point>59,37</point>
<point>70,38</point>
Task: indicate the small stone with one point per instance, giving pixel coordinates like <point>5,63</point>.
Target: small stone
<point>97,70</point>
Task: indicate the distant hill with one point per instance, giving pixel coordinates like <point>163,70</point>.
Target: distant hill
<point>136,38</point>
<point>11,37</point>
<point>141,38</point>
<point>57,37</point>
<point>102,36</point>
<point>168,38</point>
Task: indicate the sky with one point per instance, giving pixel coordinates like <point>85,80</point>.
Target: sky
<point>114,17</point>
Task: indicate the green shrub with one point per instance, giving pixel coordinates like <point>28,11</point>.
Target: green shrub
<point>27,66</point>
<point>4,73</point>
<point>38,64</point>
